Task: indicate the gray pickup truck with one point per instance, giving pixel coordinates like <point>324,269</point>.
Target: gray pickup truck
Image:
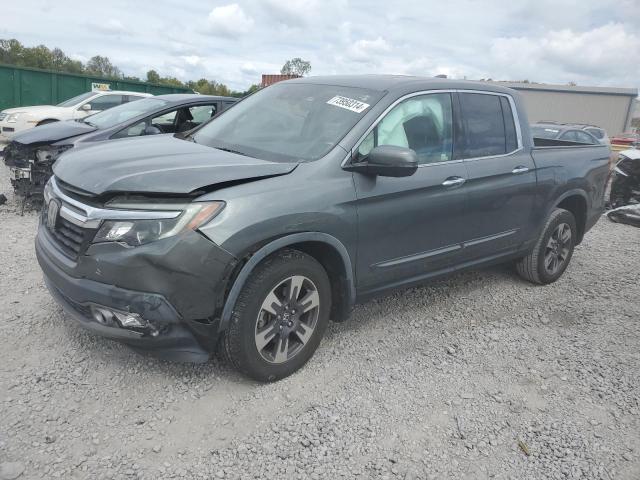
<point>309,196</point>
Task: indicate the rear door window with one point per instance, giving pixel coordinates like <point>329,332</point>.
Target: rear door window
<point>487,131</point>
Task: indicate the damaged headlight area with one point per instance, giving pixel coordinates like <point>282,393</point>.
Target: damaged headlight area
<point>139,232</point>
<point>50,154</point>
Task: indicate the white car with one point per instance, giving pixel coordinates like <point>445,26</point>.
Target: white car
<point>14,120</point>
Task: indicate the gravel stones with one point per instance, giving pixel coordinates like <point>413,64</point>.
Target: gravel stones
<point>435,382</point>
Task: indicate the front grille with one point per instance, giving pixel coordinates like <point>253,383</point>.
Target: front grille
<point>3,116</point>
<point>71,238</point>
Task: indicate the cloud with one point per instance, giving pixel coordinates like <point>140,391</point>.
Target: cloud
<point>192,60</point>
<point>110,27</point>
<point>368,51</point>
<point>249,68</point>
<point>229,21</point>
<point>566,55</point>
<point>592,42</point>
<point>302,13</point>
<point>78,57</point>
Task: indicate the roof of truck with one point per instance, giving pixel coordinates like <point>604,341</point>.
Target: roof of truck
<point>183,97</point>
<point>399,82</point>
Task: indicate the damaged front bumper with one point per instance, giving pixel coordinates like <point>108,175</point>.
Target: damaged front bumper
<point>162,298</point>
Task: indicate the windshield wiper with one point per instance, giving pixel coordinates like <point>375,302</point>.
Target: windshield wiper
<point>90,124</point>
<point>230,150</point>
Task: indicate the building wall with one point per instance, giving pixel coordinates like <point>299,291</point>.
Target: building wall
<point>608,107</point>
<point>610,112</point>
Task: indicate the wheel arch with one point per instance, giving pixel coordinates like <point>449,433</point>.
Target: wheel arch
<point>325,248</point>
<point>576,202</point>
<point>47,120</point>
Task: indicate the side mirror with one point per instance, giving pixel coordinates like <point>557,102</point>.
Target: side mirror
<point>86,107</point>
<point>388,161</point>
<point>151,130</point>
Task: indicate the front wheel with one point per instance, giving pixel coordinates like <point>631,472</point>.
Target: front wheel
<point>552,253</point>
<point>280,316</point>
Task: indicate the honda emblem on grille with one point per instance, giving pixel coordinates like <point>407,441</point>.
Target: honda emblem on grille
<point>52,213</point>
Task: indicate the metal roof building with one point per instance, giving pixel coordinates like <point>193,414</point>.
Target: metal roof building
<point>609,108</point>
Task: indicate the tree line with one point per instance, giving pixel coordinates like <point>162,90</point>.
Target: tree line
<point>12,52</point>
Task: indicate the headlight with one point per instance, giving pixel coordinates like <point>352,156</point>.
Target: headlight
<point>139,232</point>
<point>51,154</point>
<point>47,192</point>
<point>13,117</point>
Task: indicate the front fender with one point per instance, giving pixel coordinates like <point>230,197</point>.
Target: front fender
<point>279,244</point>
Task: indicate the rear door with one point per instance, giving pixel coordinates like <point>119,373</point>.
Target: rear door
<point>502,176</point>
<point>409,227</point>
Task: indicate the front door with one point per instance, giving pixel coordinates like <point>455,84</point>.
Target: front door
<point>410,227</point>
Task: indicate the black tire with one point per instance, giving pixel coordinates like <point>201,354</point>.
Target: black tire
<point>239,342</point>
<point>532,267</point>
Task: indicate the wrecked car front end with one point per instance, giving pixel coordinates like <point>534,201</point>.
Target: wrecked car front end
<point>625,180</point>
<point>31,166</point>
<point>18,158</point>
<point>135,268</point>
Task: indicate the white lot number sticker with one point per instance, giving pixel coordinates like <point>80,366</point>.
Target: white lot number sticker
<point>349,104</point>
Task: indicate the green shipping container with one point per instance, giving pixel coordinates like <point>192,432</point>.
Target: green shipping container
<point>21,87</point>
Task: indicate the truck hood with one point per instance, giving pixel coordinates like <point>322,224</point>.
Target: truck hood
<point>53,132</point>
<point>158,164</point>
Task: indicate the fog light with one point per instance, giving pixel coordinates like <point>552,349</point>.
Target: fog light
<point>117,318</point>
<point>130,320</point>
<point>102,315</point>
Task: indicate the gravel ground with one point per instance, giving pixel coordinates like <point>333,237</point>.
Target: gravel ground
<point>477,376</point>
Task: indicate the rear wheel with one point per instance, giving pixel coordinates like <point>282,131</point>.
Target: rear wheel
<point>280,316</point>
<point>552,253</point>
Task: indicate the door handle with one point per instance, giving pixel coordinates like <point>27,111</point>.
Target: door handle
<point>453,181</point>
<point>520,169</point>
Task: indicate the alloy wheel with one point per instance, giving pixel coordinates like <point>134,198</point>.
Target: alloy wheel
<point>558,248</point>
<point>287,318</point>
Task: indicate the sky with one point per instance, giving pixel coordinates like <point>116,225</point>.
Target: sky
<point>589,42</point>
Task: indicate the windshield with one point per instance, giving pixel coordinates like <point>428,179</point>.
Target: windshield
<point>122,113</point>
<point>75,100</point>
<point>289,121</point>
<point>544,132</point>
